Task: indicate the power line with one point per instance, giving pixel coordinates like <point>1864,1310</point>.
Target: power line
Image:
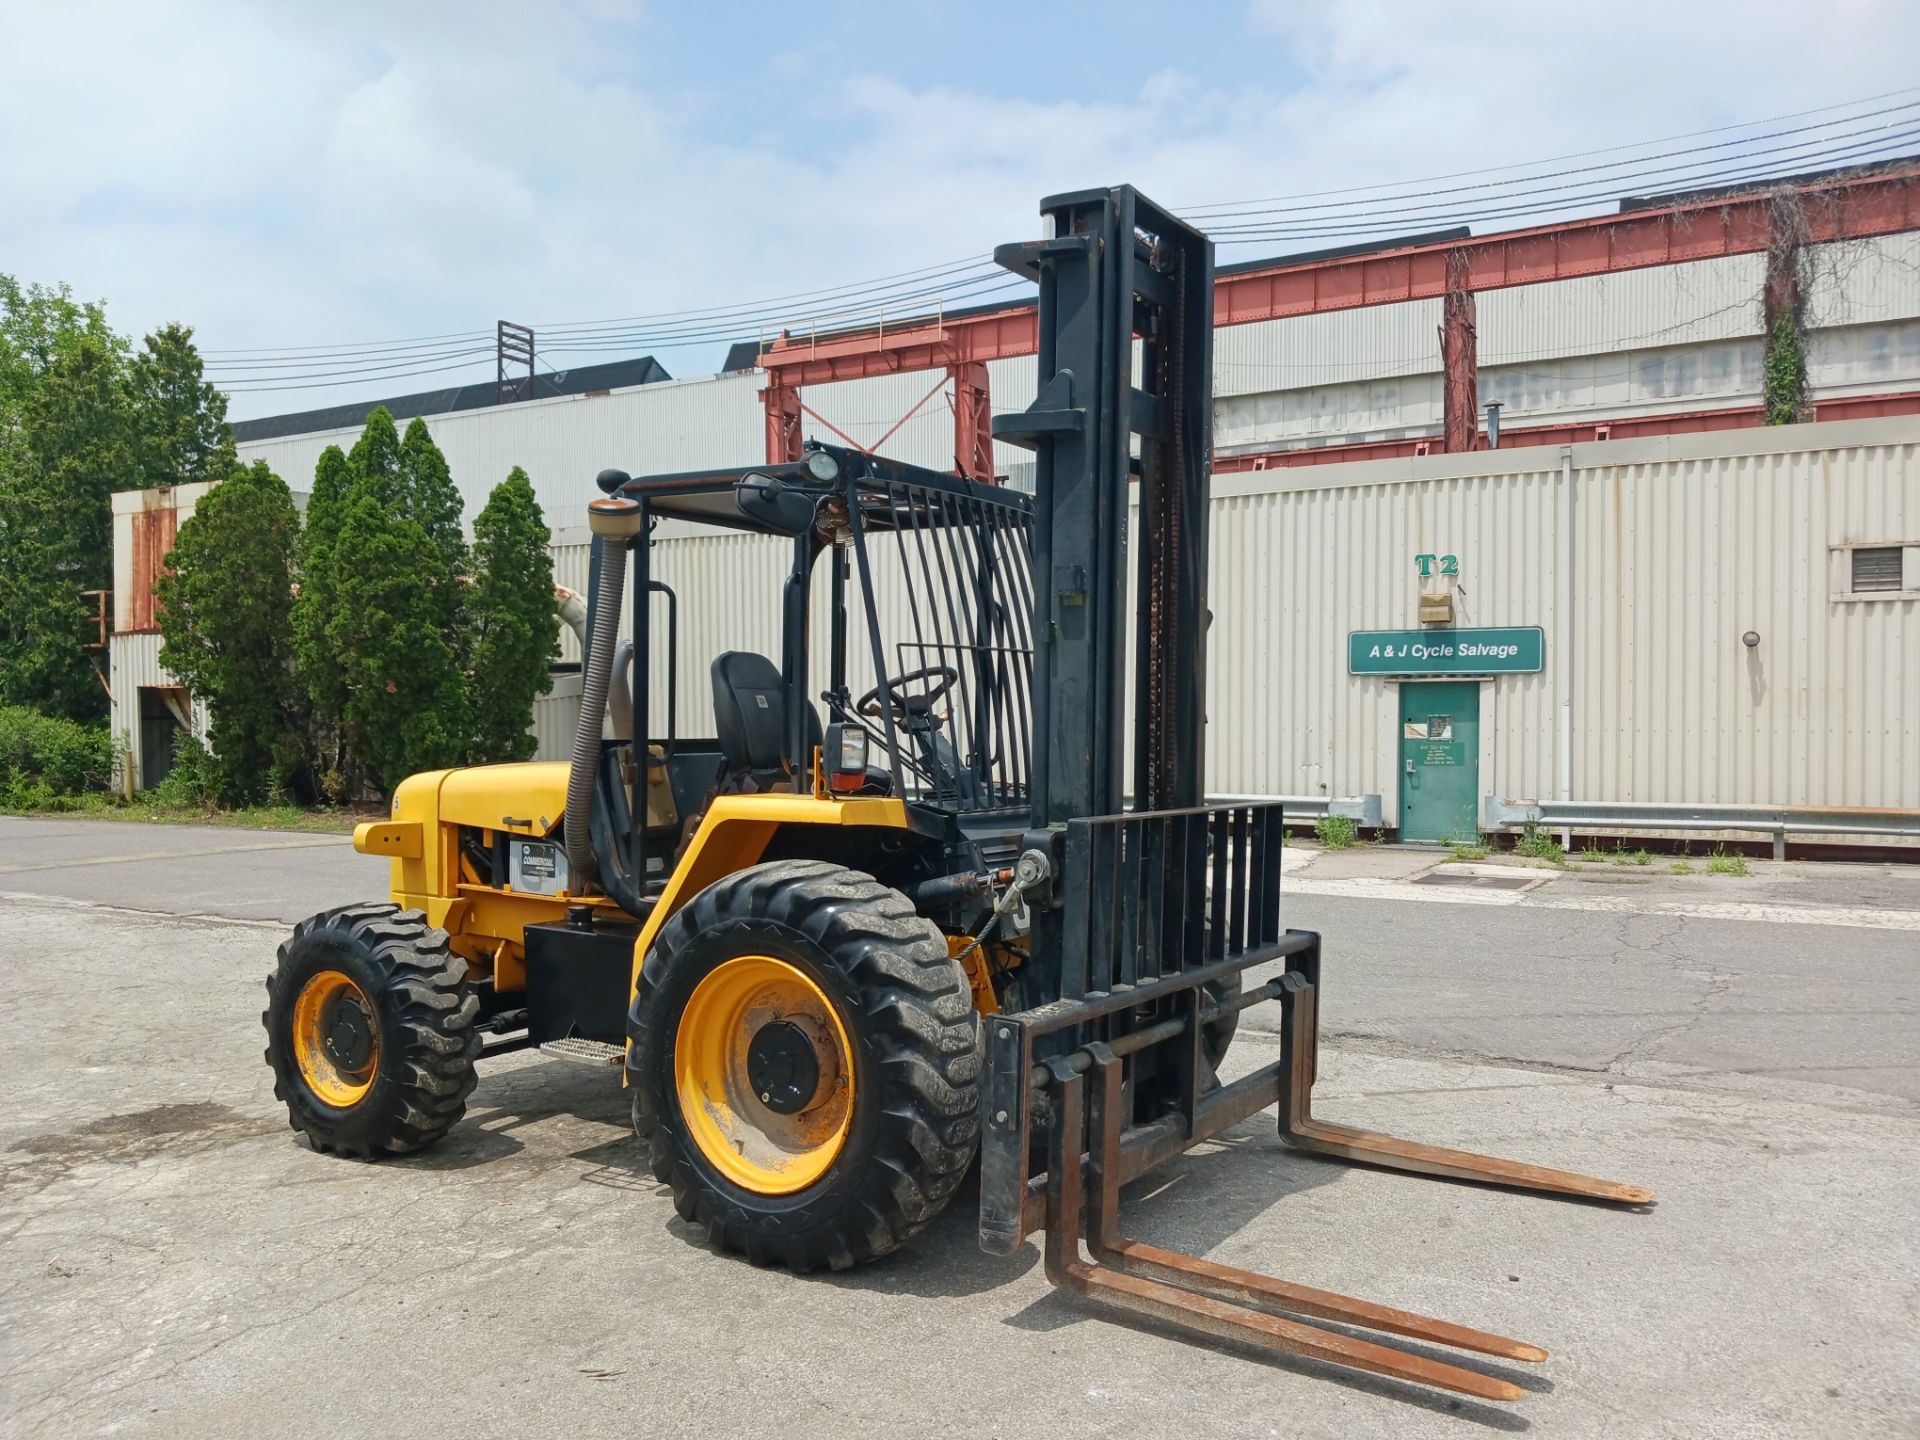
<point>928,287</point>
<point>1242,208</point>
<point>1561,159</point>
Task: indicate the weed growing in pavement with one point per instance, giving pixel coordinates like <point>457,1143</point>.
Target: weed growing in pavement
<point>1467,850</point>
<point>1536,842</point>
<point>1683,867</point>
<point>1721,863</point>
<point>1336,832</point>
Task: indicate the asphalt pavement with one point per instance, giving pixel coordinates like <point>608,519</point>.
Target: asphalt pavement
<point>178,1263</point>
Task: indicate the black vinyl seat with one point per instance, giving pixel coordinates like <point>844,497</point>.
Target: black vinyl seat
<point>750,717</point>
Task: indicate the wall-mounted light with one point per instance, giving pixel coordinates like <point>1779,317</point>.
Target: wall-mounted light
<point>1751,639</point>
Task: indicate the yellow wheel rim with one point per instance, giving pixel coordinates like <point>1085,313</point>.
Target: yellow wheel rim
<point>764,1074</point>
<point>335,1038</point>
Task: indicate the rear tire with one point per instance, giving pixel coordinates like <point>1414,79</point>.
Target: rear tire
<point>370,1031</point>
<point>895,1090</point>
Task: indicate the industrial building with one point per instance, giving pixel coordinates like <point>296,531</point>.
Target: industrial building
<point>1705,610</point>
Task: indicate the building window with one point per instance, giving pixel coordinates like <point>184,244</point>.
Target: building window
<point>1876,567</point>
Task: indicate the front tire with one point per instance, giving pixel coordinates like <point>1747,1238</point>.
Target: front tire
<point>370,1031</point>
<point>803,1065</point>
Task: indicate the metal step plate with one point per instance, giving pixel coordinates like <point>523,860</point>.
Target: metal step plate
<point>576,1051</point>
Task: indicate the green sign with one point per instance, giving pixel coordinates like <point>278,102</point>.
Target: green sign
<point>1519,650</point>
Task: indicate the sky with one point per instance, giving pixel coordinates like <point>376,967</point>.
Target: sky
<point>284,176</point>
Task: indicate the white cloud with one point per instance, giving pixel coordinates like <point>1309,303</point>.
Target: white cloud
<point>302,175</point>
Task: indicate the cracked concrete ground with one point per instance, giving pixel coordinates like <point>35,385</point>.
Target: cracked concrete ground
<point>177,1263</point>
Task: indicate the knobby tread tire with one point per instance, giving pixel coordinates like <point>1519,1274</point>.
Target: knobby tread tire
<point>908,1011</point>
<point>425,1022</point>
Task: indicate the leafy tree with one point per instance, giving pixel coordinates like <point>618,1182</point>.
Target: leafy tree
<point>180,421</point>
<point>226,627</point>
<point>406,696</point>
<point>515,627</point>
<point>319,670</point>
<point>72,448</point>
<point>37,326</point>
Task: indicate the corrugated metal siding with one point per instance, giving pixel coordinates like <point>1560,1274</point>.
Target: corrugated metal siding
<point>1638,342</point>
<point>1297,566</point>
<point>1865,282</point>
<point>1685,304</point>
<point>134,663</point>
<point>1864,359</point>
<point>555,717</point>
<point>1681,544</point>
<point>1337,348</point>
<point>152,536</point>
<point>1676,560</point>
<point>564,442</point>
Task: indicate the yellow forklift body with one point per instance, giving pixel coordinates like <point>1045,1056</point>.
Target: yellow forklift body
<point>734,833</point>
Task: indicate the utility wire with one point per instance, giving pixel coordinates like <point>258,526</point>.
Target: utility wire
<point>979,279</point>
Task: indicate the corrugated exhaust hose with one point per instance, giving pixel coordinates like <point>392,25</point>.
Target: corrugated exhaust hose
<point>614,521</point>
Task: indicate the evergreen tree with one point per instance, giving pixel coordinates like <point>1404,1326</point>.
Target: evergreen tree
<point>380,623</point>
<point>320,673</point>
<point>406,696</point>
<point>71,449</point>
<point>226,627</point>
<point>515,627</point>
<point>375,458</point>
<point>180,421</point>
<point>426,494</point>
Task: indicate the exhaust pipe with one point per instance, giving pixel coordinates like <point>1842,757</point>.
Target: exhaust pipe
<point>614,521</point>
<point>572,606</point>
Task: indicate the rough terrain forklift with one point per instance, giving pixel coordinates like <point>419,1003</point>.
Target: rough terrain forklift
<point>840,956</point>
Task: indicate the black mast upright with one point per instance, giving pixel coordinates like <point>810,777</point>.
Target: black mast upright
<point>1125,365</point>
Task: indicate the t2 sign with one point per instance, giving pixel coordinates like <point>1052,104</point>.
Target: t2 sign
<point>1449,565</point>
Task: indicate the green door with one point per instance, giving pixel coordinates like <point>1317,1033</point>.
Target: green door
<point>1439,760</point>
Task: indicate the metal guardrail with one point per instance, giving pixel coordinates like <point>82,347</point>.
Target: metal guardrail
<point>1363,810</point>
<point>1779,821</point>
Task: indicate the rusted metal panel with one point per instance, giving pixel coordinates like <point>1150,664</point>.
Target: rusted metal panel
<point>152,537</point>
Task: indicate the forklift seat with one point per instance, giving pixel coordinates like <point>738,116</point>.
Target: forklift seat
<point>750,717</point>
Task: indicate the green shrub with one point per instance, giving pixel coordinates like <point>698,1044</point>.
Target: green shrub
<point>193,782</point>
<point>1336,832</point>
<point>1468,850</point>
<point>44,758</point>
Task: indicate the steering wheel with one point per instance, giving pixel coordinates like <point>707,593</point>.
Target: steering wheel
<point>903,705</point>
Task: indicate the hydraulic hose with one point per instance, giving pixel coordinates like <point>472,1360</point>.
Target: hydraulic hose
<point>615,520</point>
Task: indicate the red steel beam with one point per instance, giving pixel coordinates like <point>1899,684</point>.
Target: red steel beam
<point>1700,230</point>
<point>1742,417</point>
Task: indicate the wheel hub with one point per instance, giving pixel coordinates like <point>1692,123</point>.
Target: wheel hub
<point>335,1040</point>
<point>763,1069</point>
<point>783,1068</point>
<point>348,1035</point>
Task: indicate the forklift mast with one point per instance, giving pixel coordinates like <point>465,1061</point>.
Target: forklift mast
<point>1125,366</point>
